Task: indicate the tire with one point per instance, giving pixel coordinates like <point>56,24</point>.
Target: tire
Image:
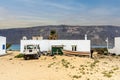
<point>36,56</point>
<point>39,54</point>
<point>26,57</point>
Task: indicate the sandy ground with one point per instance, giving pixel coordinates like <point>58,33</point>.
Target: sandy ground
<point>59,68</point>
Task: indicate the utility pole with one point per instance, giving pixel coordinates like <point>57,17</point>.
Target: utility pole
<point>107,43</point>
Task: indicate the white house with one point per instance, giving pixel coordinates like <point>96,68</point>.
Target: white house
<point>2,45</point>
<point>116,48</point>
<point>71,45</point>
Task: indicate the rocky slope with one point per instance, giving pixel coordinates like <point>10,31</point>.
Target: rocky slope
<point>97,34</point>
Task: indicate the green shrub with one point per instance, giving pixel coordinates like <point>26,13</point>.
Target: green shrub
<point>94,63</point>
<point>76,76</point>
<point>10,59</point>
<point>65,63</point>
<point>116,68</point>
<point>72,67</point>
<point>88,79</point>
<point>82,69</point>
<point>54,57</point>
<point>19,56</point>
<point>118,54</point>
<point>51,64</point>
<point>103,51</point>
<point>8,45</point>
<point>113,54</point>
<point>105,62</point>
<point>108,73</point>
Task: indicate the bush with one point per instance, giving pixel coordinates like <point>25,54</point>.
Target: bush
<point>103,51</point>
<point>19,56</point>
<point>94,63</point>
<point>116,68</point>
<point>54,57</point>
<point>10,59</point>
<point>65,63</point>
<point>8,45</point>
<point>107,73</point>
<point>113,54</point>
<point>51,64</point>
<point>76,76</point>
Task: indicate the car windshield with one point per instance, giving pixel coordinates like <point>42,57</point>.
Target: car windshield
<point>30,46</point>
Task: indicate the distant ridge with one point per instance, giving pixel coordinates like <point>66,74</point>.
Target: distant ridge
<point>97,34</point>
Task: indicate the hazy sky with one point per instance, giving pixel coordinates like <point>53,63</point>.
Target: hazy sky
<point>25,13</point>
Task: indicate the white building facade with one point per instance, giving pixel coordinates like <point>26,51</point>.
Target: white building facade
<point>2,45</point>
<point>46,45</point>
<point>116,48</point>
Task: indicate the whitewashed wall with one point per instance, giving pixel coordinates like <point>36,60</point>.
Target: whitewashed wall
<point>45,45</point>
<point>2,42</point>
<point>116,48</point>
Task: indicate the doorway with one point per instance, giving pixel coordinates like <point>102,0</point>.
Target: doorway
<point>57,50</point>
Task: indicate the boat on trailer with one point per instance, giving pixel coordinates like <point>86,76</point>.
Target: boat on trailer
<point>68,52</point>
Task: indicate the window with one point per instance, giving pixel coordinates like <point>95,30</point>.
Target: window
<point>74,47</point>
<point>30,46</point>
<point>3,47</point>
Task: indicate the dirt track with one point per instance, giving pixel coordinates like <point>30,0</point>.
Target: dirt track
<point>59,68</point>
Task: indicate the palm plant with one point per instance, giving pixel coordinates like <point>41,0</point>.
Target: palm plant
<point>8,45</point>
<point>53,35</point>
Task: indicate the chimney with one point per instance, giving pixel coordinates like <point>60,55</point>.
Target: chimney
<point>24,38</point>
<point>85,36</point>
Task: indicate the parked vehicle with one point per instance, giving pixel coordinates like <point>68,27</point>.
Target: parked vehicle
<point>31,51</point>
